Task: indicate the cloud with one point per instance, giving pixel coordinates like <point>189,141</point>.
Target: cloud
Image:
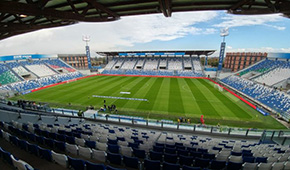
<point>109,36</point>
<point>250,20</point>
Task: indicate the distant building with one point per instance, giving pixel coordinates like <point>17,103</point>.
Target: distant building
<point>78,61</point>
<point>238,61</point>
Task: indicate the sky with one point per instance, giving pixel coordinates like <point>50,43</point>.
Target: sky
<point>182,31</point>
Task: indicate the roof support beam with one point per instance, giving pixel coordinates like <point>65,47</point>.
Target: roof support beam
<point>165,6</point>
<point>239,4</point>
<point>101,7</point>
<point>33,10</point>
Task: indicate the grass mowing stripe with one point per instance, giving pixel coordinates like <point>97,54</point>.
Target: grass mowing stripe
<point>134,91</point>
<point>203,103</point>
<point>83,94</point>
<point>219,106</point>
<point>151,94</point>
<point>190,105</point>
<point>175,104</point>
<point>161,103</point>
<point>240,113</point>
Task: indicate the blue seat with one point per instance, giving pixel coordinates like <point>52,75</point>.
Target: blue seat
<point>236,153</point>
<point>39,139</point>
<point>170,150</point>
<point>33,149</point>
<point>52,135</point>
<point>195,154</point>
<point>112,142</point>
<point>155,155</point>
<point>158,148</point>
<point>170,146</point>
<point>91,144</point>
<point>133,145</point>
<point>60,137</point>
<point>209,156</point>
<point>234,165</point>
<point>159,144</point>
<point>171,158</point>
<point>120,138</point>
<point>139,153</point>
<point>261,159</point>
<point>170,166</point>
<point>131,162</point>
<point>94,166</point>
<point>14,140</point>
<point>24,134</point>
<point>218,164</point>
<point>182,152</point>
<point>185,160</point>
<point>151,164</point>
<point>114,158</point>
<point>202,150</point>
<point>113,148</point>
<point>6,156</point>
<point>70,140</point>
<point>191,149</point>
<point>185,167</point>
<point>201,162</point>
<point>112,168</point>
<point>179,147</point>
<point>216,148</point>
<point>59,145</point>
<point>45,153</point>
<point>250,159</point>
<point>76,164</point>
<point>32,137</point>
<point>23,144</point>
<point>49,142</point>
<point>247,154</point>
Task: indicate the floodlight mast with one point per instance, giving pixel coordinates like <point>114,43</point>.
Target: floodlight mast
<point>88,53</point>
<point>223,33</point>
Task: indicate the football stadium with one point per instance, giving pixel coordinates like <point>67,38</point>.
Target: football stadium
<point>149,109</point>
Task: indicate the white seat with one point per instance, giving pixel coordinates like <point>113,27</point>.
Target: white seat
<point>101,146</point>
<point>122,143</point>
<point>265,166</point>
<point>80,141</point>
<point>99,155</point>
<point>272,159</point>
<point>19,164</point>
<point>85,152</point>
<point>236,159</point>
<point>70,148</point>
<point>94,138</point>
<point>278,166</point>
<point>60,159</point>
<point>125,150</point>
<point>250,166</point>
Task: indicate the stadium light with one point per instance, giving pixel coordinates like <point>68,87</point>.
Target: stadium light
<point>224,32</point>
<point>86,39</point>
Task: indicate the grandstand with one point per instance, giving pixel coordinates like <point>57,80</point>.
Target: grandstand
<point>25,75</point>
<point>263,83</point>
<point>163,63</point>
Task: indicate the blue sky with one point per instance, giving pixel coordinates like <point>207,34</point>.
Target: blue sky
<point>191,30</point>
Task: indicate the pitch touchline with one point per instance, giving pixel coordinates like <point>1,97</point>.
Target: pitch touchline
<point>123,98</point>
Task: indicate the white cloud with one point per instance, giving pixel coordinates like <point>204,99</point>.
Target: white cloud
<point>250,20</point>
<point>109,36</point>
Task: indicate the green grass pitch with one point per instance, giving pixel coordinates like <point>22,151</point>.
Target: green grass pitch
<point>169,98</point>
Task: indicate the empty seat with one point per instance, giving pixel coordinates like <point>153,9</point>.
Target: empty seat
<point>60,159</point>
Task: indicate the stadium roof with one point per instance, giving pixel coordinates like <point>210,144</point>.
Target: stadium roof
<point>21,16</point>
<point>136,53</point>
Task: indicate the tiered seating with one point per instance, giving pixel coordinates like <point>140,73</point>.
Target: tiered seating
<point>118,63</point>
<point>57,63</point>
<point>44,81</point>
<point>127,147</point>
<point>140,62</point>
<point>174,64</point>
<point>187,62</point>
<point>196,64</point>
<point>189,73</point>
<point>40,69</point>
<point>272,98</point>
<point>25,85</point>
<point>275,75</point>
<point>111,63</point>
<point>163,62</point>
<point>6,76</point>
<point>17,68</point>
<point>261,67</point>
<point>68,76</point>
<point>129,63</point>
<point>151,63</point>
